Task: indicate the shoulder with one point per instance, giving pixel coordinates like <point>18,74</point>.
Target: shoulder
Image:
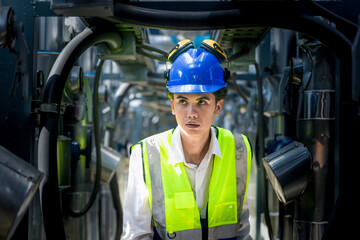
<point>154,139</point>
<point>223,133</point>
<point>150,142</point>
<point>159,136</point>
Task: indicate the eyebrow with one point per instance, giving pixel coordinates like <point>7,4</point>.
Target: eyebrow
<point>182,97</point>
<point>200,98</point>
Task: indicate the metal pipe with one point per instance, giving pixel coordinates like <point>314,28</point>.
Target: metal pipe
<point>118,98</point>
<point>152,48</point>
<point>156,56</point>
<point>49,193</point>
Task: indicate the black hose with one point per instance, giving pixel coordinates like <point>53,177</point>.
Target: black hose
<point>49,188</point>
<point>117,205</point>
<point>262,151</point>
<point>113,182</point>
<point>172,19</point>
<point>95,190</point>
<point>47,150</point>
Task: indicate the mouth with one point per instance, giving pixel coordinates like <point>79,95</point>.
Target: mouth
<point>192,125</point>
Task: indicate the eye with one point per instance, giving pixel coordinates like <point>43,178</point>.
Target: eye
<point>182,101</point>
<point>202,102</point>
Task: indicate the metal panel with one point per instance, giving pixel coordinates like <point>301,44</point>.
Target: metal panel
<point>16,124</point>
<point>92,8</point>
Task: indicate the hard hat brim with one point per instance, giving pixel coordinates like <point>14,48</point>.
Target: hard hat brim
<point>191,88</point>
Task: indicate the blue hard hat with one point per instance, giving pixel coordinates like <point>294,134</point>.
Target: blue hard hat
<point>196,71</point>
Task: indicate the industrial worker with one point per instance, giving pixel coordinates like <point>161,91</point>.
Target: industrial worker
<point>190,182</point>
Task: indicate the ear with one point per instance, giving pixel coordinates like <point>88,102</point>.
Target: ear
<point>172,106</point>
<point>219,106</point>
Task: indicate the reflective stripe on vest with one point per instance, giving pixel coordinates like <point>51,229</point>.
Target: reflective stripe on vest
<point>172,202</point>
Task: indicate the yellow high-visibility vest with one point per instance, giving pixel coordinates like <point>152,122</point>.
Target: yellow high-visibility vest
<point>172,201</point>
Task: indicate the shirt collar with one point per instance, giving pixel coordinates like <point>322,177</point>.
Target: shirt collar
<point>177,149</point>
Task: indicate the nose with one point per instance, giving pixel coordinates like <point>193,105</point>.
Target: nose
<point>192,112</point>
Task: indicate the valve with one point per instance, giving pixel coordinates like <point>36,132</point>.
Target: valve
<point>76,152</point>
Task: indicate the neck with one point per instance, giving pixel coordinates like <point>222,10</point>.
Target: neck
<point>195,147</point>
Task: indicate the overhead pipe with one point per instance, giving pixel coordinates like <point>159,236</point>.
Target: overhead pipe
<point>49,192</point>
<point>289,15</point>
<point>241,14</point>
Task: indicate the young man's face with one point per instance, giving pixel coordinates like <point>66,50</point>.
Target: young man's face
<point>195,112</point>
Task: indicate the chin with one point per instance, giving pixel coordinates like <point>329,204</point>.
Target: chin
<point>193,131</point>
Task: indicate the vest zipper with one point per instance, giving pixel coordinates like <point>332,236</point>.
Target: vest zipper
<point>204,226</point>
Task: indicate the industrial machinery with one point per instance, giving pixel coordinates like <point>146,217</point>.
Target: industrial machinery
<point>82,81</point>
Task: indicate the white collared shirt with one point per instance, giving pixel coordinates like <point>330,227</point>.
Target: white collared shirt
<point>199,176</point>
<point>137,213</point>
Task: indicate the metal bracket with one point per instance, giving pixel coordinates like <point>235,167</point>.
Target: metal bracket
<point>22,73</point>
<point>38,107</point>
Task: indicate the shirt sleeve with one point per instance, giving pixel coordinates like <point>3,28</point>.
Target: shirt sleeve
<point>136,209</point>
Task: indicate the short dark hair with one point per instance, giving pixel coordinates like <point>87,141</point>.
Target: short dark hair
<point>219,94</point>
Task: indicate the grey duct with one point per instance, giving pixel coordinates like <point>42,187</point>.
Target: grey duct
<point>306,174</point>
<point>19,181</point>
<point>315,128</point>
